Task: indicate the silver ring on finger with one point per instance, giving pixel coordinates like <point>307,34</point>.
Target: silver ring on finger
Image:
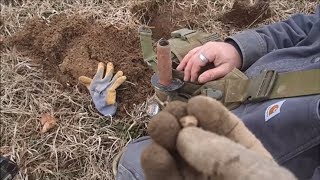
<point>203,58</point>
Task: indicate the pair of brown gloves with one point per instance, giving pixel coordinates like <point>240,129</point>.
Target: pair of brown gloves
<point>201,139</point>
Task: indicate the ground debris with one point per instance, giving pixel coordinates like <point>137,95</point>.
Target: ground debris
<point>244,13</point>
<point>165,17</point>
<point>71,46</point>
<point>48,122</point>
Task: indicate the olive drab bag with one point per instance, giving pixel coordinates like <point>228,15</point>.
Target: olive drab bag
<point>233,89</point>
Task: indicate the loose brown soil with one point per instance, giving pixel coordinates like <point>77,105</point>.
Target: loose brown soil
<point>69,47</point>
<point>165,17</point>
<point>244,14</point>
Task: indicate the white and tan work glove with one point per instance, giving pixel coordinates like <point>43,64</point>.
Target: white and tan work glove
<point>103,88</point>
<point>201,139</point>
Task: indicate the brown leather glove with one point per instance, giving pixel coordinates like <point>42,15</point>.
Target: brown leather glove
<point>201,139</point>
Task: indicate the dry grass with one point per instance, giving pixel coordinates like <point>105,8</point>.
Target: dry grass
<point>81,147</point>
<point>76,148</point>
<point>84,143</point>
<point>281,9</point>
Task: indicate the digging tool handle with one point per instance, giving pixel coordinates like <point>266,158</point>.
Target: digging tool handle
<point>164,62</point>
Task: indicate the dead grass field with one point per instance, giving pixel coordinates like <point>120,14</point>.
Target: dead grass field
<point>84,143</point>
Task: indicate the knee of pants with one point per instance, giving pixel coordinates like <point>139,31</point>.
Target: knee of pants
<point>129,166</point>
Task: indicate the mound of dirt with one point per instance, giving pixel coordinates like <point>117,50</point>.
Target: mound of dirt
<point>243,13</point>
<point>69,47</point>
<point>165,17</point>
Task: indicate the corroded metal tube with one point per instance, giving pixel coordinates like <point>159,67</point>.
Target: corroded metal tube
<point>164,62</point>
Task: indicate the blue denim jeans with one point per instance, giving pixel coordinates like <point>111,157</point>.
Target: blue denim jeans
<point>129,165</point>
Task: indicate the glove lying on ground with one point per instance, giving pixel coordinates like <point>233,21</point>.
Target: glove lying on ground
<point>103,88</point>
<point>201,139</point>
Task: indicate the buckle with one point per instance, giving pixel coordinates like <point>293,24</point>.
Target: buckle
<point>211,37</point>
<point>182,33</point>
<point>213,93</point>
<point>145,30</point>
<point>260,87</point>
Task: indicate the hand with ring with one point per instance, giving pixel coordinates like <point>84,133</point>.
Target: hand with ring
<point>223,55</point>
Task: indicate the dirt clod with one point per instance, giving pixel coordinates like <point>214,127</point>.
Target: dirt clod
<point>69,47</point>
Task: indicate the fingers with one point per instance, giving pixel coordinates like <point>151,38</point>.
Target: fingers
<point>243,136</point>
<point>221,54</point>
<point>109,71</point>
<point>215,73</point>
<point>112,94</point>
<point>193,65</point>
<point>158,164</point>
<point>163,129</point>
<point>214,117</point>
<point>187,71</point>
<point>104,73</point>
<point>177,109</point>
<point>118,80</point>
<point>212,154</point>
<point>100,71</point>
<point>194,72</point>
<point>204,150</point>
<point>211,114</point>
<point>85,81</point>
<point>207,52</point>
<point>188,121</point>
<point>186,59</point>
<point>116,76</point>
<point>192,62</point>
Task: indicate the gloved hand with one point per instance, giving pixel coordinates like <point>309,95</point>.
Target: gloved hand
<point>103,88</point>
<point>201,139</point>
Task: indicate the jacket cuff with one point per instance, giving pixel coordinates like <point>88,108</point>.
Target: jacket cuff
<point>252,47</point>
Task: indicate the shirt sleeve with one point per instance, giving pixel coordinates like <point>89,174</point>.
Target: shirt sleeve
<point>316,174</point>
<point>258,42</point>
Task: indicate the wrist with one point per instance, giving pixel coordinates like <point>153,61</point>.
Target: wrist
<point>237,53</point>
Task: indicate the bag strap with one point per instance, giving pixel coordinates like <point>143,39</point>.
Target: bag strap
<point>146,43</point>
<point>268,85</point>
<point>271,85</point>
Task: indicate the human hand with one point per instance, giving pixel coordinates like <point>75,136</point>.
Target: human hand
<point>223,55</point>
<point>201,139</point>
<point>103,88</point>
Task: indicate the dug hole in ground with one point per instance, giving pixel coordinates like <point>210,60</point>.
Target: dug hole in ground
<point>47,45</point>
